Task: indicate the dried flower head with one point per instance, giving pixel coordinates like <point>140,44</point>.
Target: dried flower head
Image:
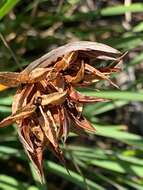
<point>47,105</point>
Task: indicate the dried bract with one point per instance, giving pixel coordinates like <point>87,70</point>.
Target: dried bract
<point>47,106</point>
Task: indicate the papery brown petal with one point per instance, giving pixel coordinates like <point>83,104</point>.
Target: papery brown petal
<point>64,63</point>
<point>79,108</point>
<point>58,83</point>
<point>98,55</point>
<point>20,99</point>
<point>61,65</point>
<point>65,123</point>
<point>82,123</point>
<point>79,76</point>
<point>57,152</point>
<point>88,80</point>
<point>108,70</point>
<point>18,96</point>
<point>99,74</point>
<point>38,74</point>
<point>37,160</point>
<point>52,75</point>
<point>34,152</point>
<point>56,114</point>
<point>49,128</point>
<point>53,55</point>
<point>54,145</point>
<point>42,85</point>
<point>53,98</point>
<point>38,133</point>
<point>24,131</point>
<point>70,57</point>
<point>13,79</point>
<point>117,61</point>
<point>77,97</point>
<point>9,79</point>
<point>91,78</point>
<point>77,130</point>
<point>19,115</point>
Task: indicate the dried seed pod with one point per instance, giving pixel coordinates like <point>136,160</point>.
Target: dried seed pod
<point>47,107</point>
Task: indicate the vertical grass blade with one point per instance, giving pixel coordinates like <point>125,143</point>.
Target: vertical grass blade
<point>7,6</point>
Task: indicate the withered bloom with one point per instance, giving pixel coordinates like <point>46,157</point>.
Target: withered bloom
<point>47,105</point>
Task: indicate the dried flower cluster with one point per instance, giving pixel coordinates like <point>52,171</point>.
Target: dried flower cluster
<point>47,106</point>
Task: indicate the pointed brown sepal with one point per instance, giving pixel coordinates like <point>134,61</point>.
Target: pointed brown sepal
<point>58,83</point>
<point>32,146</point>
<point>108,70</point>
<point>37,160</point>
<point>49,128</point>
<point>38,74</point>
<point>77,97</point>
<point>82,123</point>
<point>10,79</point>
<point>19,115</point>
<point>53,98</point>
<point>79,75</point>
<point>24,131</point>
<point>117,61</point>
<point>64,123</point>
<point>99,74</point>
<point>65,62</point>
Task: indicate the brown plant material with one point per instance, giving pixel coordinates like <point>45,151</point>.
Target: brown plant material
<point>47,106</point>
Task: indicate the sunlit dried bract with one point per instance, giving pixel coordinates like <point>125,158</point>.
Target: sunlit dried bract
<point>47,106</point>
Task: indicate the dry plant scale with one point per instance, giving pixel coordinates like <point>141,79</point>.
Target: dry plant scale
<point>47,105</point>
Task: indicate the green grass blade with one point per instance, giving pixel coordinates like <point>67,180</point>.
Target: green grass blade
<point>74,177</point>
<point>138,27</point>
<point>136,60</point>
<point>8,5</point>
<point>6,100</point>
<point>10,183</point>
<point>116,95</point>
<point>33,188</point>
<point>5,109</point>
<point>116,133</point>
<point>102,107</point>
<point>111,160</point>
<point>132,184</point>
<point>122,9</point>
<point>37,179</point>
<point>88,152</point>
<point>117,166</point>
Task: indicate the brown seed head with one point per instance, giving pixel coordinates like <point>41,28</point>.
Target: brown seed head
<point>47,107</point>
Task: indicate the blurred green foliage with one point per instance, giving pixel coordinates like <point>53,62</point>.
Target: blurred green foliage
<point>113,157</point>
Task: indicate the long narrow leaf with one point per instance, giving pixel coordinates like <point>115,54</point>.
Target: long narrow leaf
<point>8,5</point>
<point>122,9</point>
<point>117,95</point>
<point>115,133</point>
<point>74,177</point>
<point>102,107</point>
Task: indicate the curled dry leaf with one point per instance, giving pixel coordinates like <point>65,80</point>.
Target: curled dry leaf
<point>20,114</point>
<point>53,98</point>
<point>47,107</point>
